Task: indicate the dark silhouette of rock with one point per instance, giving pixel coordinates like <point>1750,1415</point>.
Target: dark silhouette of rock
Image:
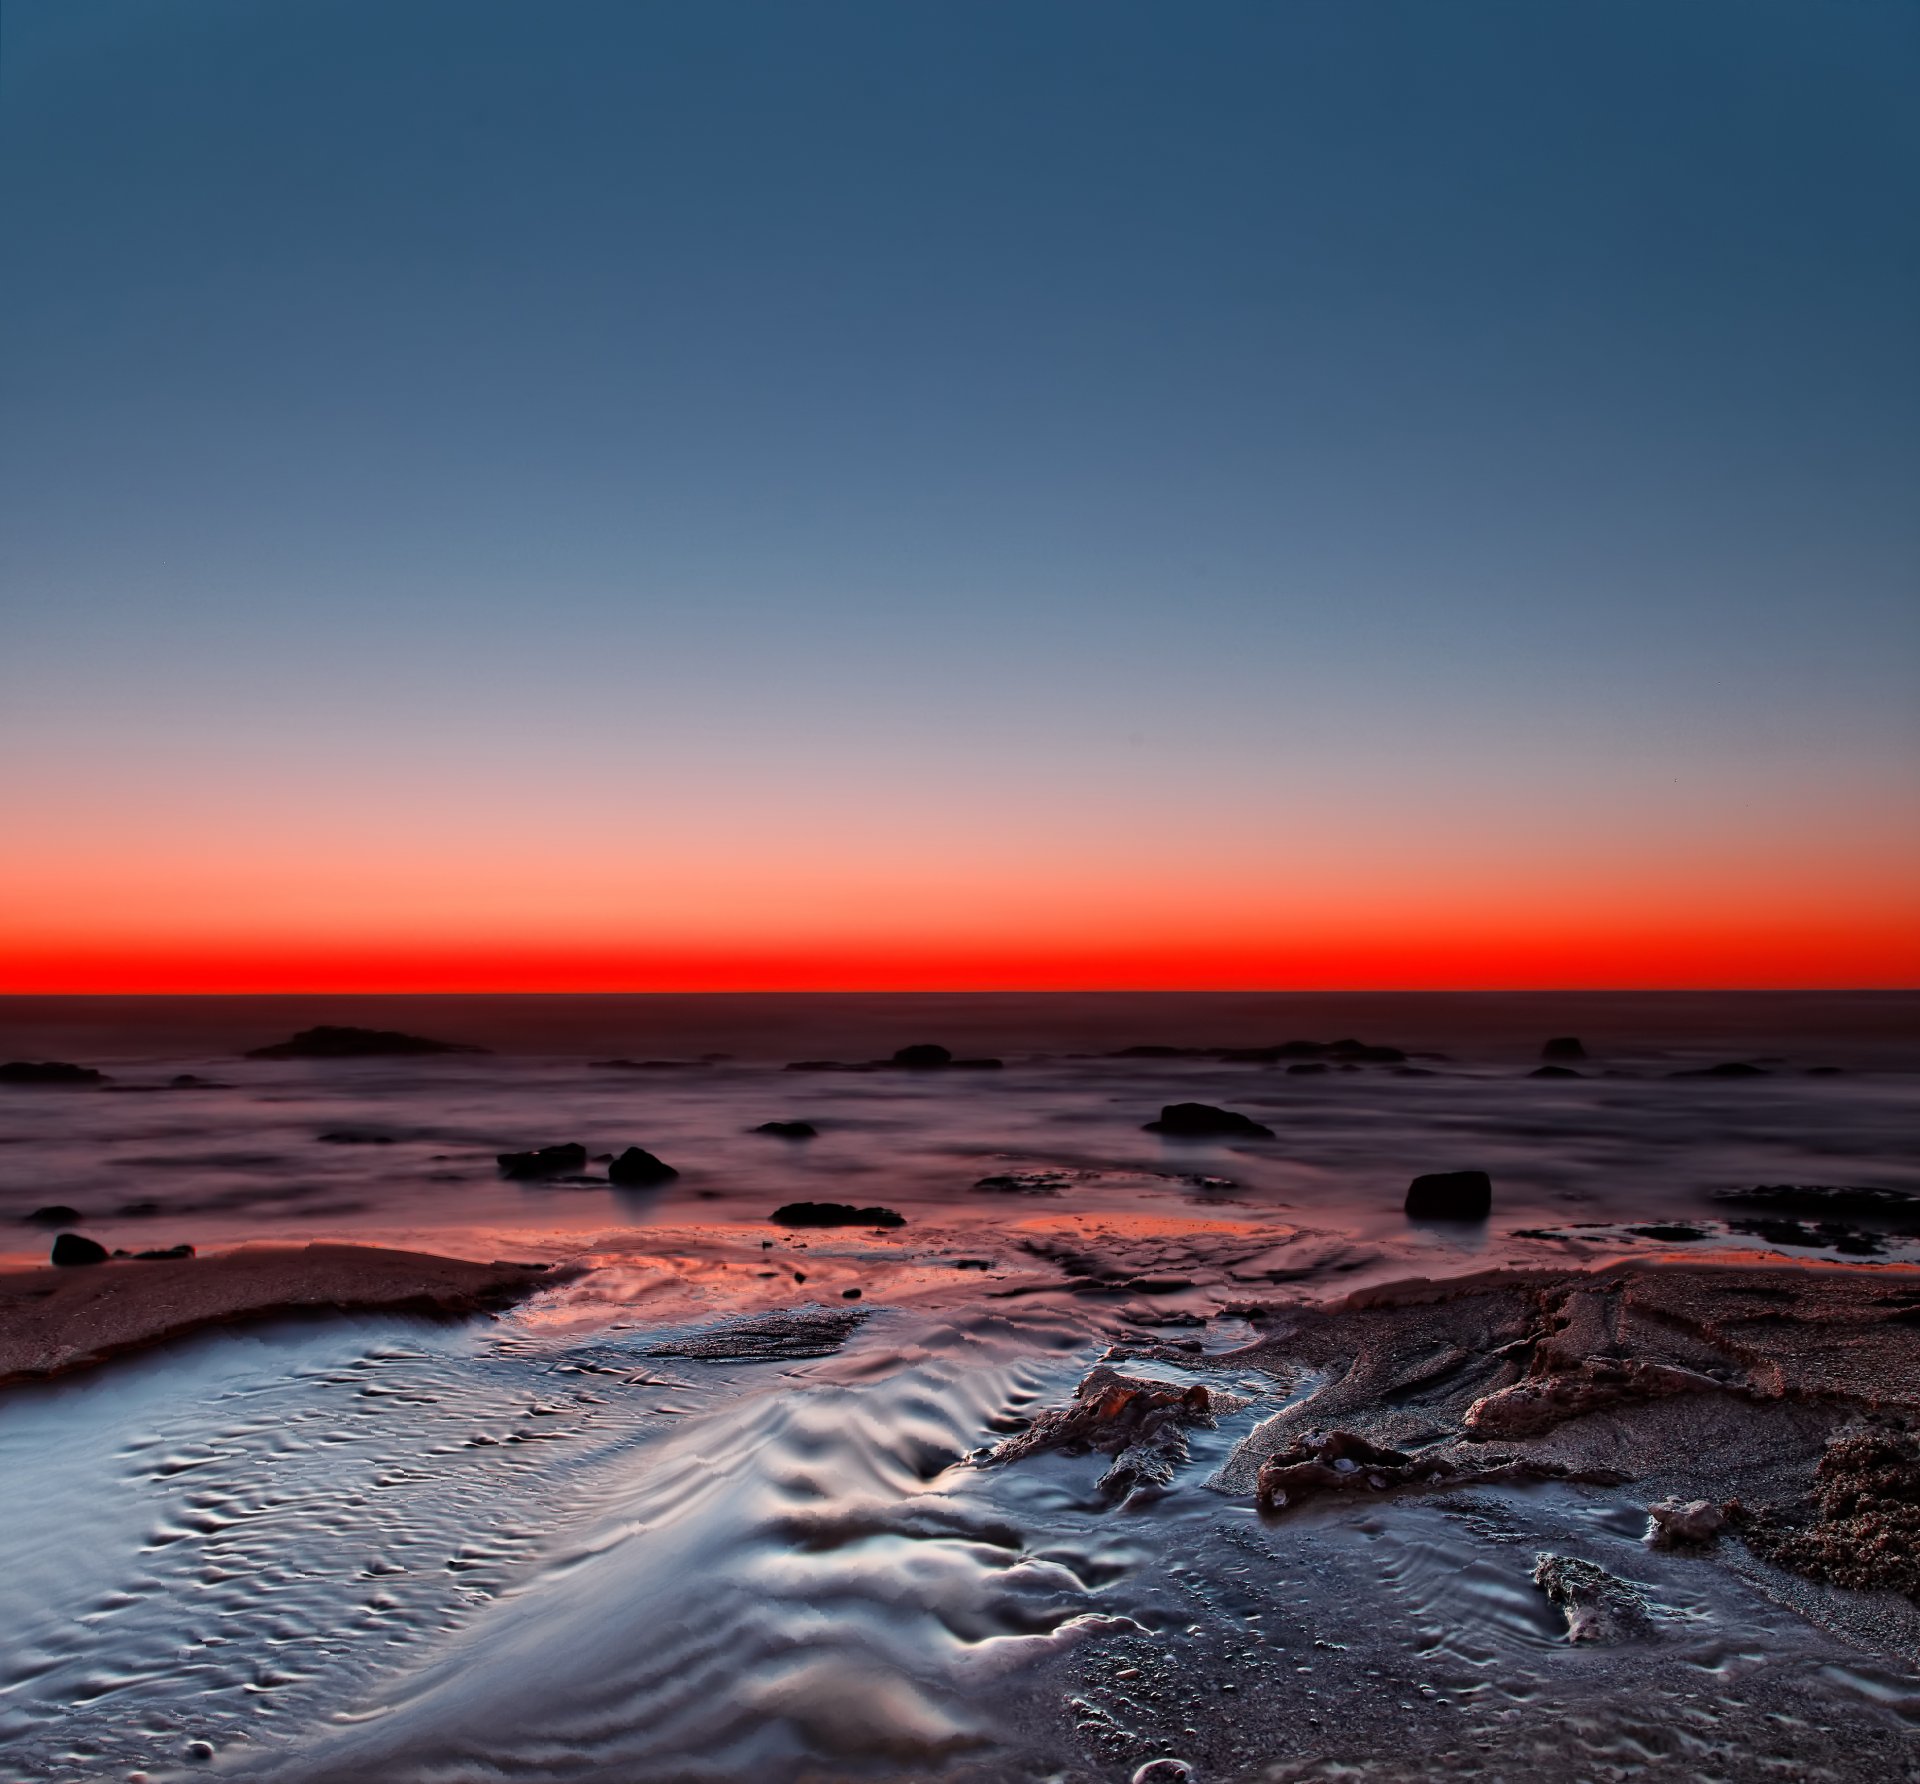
<point>1450,1195</point>
<point>56,1214</point>
<point>645,1065</point>
<point>1202,1121</point>
<point>637,1168</point>
<point>329,1041</point>
<point>825,1065</point>
<point>192,1081</point>
<point>1893,1205</point>
<point>833,1214</point>
<point>48,1071</point>
<point>1024,1183</point>
<point>1563,1047</point>
<point>544,1161</point>
<point>789,1130</point>
<point>1555,1071</point>
<point>171,1254</point>
<point>1307,1068</point>
<point>1823,1235</point>
<point>1669,1232</point>
<point>346,1138</point>
<point>136,1210</point>
<point>1731,1068</point>
<point>71,1248</point>
<point>766,1337</point>
<point>1158,1052</point>
<point>923,1057</point>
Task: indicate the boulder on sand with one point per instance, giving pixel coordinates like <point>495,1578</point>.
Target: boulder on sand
<point>1450,1195</point>
<point>637,1168</point>
<point>1202,1121</point>
<point>72,1248</point>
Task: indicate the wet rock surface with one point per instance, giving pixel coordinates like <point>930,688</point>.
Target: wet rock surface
<point>767,1338</point>
<point>1599,1606</point>
<point>1450,1195</point>
<point>637,1168</point>
<point>562,1160</point>
<point>835,1214</point>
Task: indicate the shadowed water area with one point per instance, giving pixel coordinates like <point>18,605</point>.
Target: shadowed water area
<point>750,1500</point>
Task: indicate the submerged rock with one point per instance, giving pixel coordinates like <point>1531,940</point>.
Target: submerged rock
<point>72,1248</point>
<point>48,1071</point>
<point>767,1337</point>
<point>1024,1183</point>
<point>544,1161</point>
<point>1688,1524</point>
<point>834,1214</point>
<point>1202,1121</point>
<point>334,1041</point>
<point>1450,1195</point>
<point>1827,1198</point>
<point>1599,1607</point>
<point>789,1130</point>
<point>637,1168</point>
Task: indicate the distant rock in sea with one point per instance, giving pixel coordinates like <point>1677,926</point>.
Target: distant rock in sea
<point>1731,1068</point>
<point>1555,1071</point>
<point>1562,1048</point>
<point>637,1168</point>
<point>70,1249</point>
<point>924,1056</point>
<point>544,1161</point>
<point>48,1071</point>
<point>57,1214</point>
<point>1827,1199</point>
<point>1450,1195</point>
<point>835,1214</point>
<point>331,1042</point>
<point>789,1130</point>
<point>1202,1121</point>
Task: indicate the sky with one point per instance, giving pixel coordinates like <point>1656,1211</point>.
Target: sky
<point>500,495</point>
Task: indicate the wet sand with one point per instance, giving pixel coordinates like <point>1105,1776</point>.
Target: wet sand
<point>54,1320</point>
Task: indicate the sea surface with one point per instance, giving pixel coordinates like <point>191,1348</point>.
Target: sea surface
<point>541,1547</point>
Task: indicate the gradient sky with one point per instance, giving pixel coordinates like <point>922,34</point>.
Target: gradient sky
<point>615,495</point>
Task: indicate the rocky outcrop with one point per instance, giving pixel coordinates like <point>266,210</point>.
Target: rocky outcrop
<point>1859,1526</point>
<point>72,1248</point>
<point>789,1130</point>
<point>834,1214</point>
<point>1202,1121</point>
<point>1140,1423</point>
<point>637,1168</point>
<point>332,1041</point>
<point>49,1071</point>
<point>1537,1404</point>
<point>1563,1049</point>
<point>1450,1195</point>
<point>1599,1607</point>
<point>1683,1523</point>
<point>544,1161</point>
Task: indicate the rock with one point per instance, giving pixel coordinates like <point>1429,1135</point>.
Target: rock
<point>1824,1235</point>
<point>1672,1524</point>
<point>1450,1195</point>
<point>71,1248</point>
<point>544,1161</point>
<point>645,1065</point>
<point>1024,1183</point>
<point>849,1294</point>
<point>1599,1607</point>
<point>56,1214</point>
<point>1555,1071</point>
<point>330,1041</point>
<point>1669,1232</point>
<point>1160,1052</point>
<point>833,1214</point>
<point>1860,1525</point>
<point>767,1337</point>
<point>1140,1423</point>
<point>922,1058</point>
<point>1537,1404</point>
<point>1340,1461</point>
<point>1562,1048</point>
<point>352,1139</point>
<point>637,1168</point>
<point>1307,1068</point>
<point>1823,1198</point>
<point>789,1130</point>
<point>1732,1068</point>
<point>48,1071</point>
<point>1163,1771</point>
<point>1202,1121</point>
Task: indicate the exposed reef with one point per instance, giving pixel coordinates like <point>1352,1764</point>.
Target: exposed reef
<point>1202,1121</point>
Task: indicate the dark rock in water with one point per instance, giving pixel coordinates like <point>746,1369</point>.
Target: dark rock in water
<point>1671,1232</point>
<point>1202,1121</point>
<point>56,1214</point>
<point>192,1081</point>
<point>1597,1384</point>
<point>1360,1053</point>
<point>1554,1071</point>
<point>834,1214</point>
<point>544,1161</point>
<point>1683,1524</point>
<point>137,1210</point>
<point>767,1337</point>
<point>1731,1068</point>
<point>1823,1235</point>
<point>1562,1048</point>
<point>169,1254</point>
<point>825,1065</point>
<point>1598,1607</point>
<point>1156,1052</point>
<point>352,1139</point>
<point>1140,1423</point>
<point>637,1168</point>
<point>329,1041</point>
<point>48,1071</point>
<point>1820,1198</point>
<point>789,1130</point>
<point>1450,1195</point>
<point>923,1057</point>
<point>1024,1183</point>
<point>71,1248</point>
<point>1338,1461</point>
<point>849,1294</point>
<point>645,1065</point>
<point>1303,1068</point>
